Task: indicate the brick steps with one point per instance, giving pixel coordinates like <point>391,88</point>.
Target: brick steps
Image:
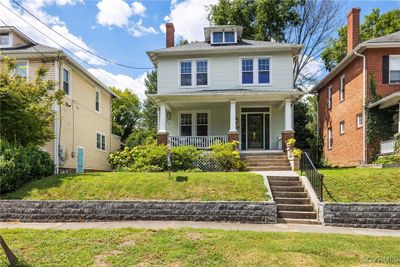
<point>266,161</point>
<point>297,221</point>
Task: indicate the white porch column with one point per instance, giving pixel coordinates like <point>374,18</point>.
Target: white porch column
<point>163,118</point>
<point>288,115</point>
<point>232,124</point>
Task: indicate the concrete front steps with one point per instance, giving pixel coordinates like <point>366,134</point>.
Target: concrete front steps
<point>293,203</point>
<point>266,161</point>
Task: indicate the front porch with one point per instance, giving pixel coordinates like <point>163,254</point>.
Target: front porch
<point>260,122</point>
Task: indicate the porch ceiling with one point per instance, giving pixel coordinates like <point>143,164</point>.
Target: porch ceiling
<point>391,100</point>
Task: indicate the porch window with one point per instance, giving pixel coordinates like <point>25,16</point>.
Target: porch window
<point>66,81</point>
<point>394,69</point>
<point>202,124</point>
<point>21,69</point>
<point>330,97</point>
<point>202,72</point>
<point>263,70</point>
<point>330,138</point>
<point>101,142</point>
<point>247,71</point>
<point>186,73</point>
<point>359,120</point>
<point>342,88</point>
<point>186,124</point>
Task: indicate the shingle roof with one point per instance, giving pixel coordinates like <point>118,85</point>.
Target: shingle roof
<point>32,48</point>
<point>394,37</point>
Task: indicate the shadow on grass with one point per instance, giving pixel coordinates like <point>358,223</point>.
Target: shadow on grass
<point>42,185</point>
<point>181,179</point>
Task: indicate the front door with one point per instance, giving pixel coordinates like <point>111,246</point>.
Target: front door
<point>80,168</point>
<point>255,131</point>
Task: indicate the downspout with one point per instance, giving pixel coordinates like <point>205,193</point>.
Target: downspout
<point>317,150</point>
<point>56,122</point>
<point>364,106</point>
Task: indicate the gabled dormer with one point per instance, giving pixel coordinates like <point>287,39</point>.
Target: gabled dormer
<point>224,34</point>
<point>11,37</point>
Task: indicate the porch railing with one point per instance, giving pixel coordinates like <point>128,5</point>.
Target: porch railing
<point>203,142</point>
<point>316,179</point>
<point>387,147</point>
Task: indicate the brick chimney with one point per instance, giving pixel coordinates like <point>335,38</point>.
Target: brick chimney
<point>353,29</point>
<point>170,34</point>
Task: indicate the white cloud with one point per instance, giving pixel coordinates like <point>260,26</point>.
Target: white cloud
<point>113,13</point>
<point>122,81</point>
<point>137,29</point>
<point>138,8</point>
<point>189,18</point>
<point>36,7</point>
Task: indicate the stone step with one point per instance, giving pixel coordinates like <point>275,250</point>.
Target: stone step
<point>284,183</point>
<point>264,158</point>
<point>268,166</point>
<point>297,221</point>
<point>294,207</point>
<point>269,169</point>
<point>283,178</point>
<point>289,194</point>
<point>288,200</point>
<point>287,188</point>
<point>297,215</point>
<point>256,164</point>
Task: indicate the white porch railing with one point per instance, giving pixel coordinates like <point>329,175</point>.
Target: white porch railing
<point>198,141</point>
<point>387,147</point>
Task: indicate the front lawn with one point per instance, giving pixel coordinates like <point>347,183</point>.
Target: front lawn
<point>201,186</point>
<point>194,247</point>
<point>362,185</point>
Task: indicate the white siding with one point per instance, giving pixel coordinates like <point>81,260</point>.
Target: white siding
<point>225,72</point>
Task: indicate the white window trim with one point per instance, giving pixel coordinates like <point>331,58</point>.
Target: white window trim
<point>359,125</point>
<point>392,56</point>
<point>330,137</point>
<point>27,67</point>
<point>97,91</point>
<point>255,71</point>
<point>194,73</point>
<point>70,79</point>
<point>342,127</point>
<point>342,88</point>
<point>10,41</point>
<point>105,142</point>
<point>330,97</point>
<point>194,120</point>
<point>223,37</point>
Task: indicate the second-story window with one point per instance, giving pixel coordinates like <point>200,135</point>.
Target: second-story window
<point>247,71</point>
<point>97,104</point>
<point>394,69</point>
<point>21,69</point>
<point>342,88</point>
<point>330,97</point>
<point>5,40</point>
<point>66,81</point>
<point>263,70</point>
<point>202,72</point>
<point>186,73</point>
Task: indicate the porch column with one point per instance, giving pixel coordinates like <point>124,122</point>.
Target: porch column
<point>232,134</point>
<point>162,134</point>
<point>288,132</point>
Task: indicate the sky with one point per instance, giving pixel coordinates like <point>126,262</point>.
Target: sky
<point>123,30</point>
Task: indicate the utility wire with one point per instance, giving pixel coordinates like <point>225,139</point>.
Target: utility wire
<point>66,49</point>
<point>84,49</point>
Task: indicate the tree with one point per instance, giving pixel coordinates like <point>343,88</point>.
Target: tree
<point>125,113</point>
<point>149,109</point>
<point>26,113</point>
<point>301,120</point>
<point>373,26</point>
<point>261,19</point>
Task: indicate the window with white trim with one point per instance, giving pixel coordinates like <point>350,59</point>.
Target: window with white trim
<point>21,69</point>
<point>247,71</point>
<point>255,71</point>
<point>186,73</point>
<point>101,141</point>
<point>186,124</point>
<point>97,103</point>
<point>194,73</point>
<point>66,81</point>
<point>201,72</point>
<point>394,69</point>
<point>263,70</point>
<point>330,97</point>
<point>359,120</point>
<point>202,124</point>
<point>5,39</point>
<point>330,138</point>
<point>342,88</point>
<point>226,37</point>
<point>342,127</point>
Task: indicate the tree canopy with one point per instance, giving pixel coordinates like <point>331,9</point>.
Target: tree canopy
<point>373,26</point>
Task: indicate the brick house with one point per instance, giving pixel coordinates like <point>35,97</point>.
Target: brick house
<point>342,114</point>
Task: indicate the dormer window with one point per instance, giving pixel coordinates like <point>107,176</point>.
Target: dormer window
<point>5,39</point>
<point>228,37</point>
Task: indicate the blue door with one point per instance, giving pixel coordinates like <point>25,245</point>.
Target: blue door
<point>80,168</point>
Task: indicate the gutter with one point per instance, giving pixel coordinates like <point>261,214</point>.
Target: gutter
<point>364,106</point>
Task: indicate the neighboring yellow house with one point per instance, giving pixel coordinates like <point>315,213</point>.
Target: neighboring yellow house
<point>82,124</point>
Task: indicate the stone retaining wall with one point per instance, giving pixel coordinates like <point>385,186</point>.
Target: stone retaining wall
<point>76,211</point>
<point>384,216</point>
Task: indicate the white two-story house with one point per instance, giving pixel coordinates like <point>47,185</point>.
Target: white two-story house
<point>225,88</point>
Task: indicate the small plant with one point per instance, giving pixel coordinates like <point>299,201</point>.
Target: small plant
<point>291,142</point>
<point>388,159</point>
<point>397,143</point>
<point>297,153</point>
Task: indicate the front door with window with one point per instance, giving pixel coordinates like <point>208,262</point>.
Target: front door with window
<point>255,128</point>
<point>255,131</point>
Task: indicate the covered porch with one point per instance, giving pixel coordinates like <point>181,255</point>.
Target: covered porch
<point>260,121</point>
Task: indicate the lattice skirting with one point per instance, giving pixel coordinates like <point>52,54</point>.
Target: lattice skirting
<point>206,163</point>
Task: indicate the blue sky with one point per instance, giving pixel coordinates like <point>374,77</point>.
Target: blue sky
<point>123,30</point>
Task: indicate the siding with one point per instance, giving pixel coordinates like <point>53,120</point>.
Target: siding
<point>225,72</point>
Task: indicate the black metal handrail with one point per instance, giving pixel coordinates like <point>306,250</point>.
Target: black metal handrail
<point>316,179</point>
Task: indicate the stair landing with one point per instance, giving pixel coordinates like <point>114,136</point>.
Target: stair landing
<point>266,161</point>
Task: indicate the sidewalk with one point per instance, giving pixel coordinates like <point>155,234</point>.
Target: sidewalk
<point>203,225</point>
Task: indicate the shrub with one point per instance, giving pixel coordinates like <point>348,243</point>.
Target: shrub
<point>149,158</point>
<point>227,155</point>
<point>20,164</point>
<point>291,142</point>
<point>183,157</point>
<point>297,152</point>
<point>397,143</point>
<point>388,159</point>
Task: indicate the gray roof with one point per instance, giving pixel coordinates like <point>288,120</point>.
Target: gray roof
<point>32,48</point>
<point>394,37</point>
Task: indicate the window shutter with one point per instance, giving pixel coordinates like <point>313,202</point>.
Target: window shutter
<point>385,69</point>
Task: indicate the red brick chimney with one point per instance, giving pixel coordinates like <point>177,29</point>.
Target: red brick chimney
<point>170,34</point>
<point>353,29</point>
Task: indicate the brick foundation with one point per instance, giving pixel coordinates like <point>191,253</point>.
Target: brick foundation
<point>162,138</point>
<point>286,135</point>
<point>233,137</point>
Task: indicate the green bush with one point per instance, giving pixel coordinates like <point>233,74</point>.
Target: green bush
<point>297,152</point>
<point>388,159</point>
<point>183,157</point>
<point>228,156</point>
<point>20,164</point>
<point>149,158</point>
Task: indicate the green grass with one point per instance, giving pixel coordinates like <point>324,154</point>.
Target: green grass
<point>192,247</point>
<point>202,186</point>
<point>362,185</point>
